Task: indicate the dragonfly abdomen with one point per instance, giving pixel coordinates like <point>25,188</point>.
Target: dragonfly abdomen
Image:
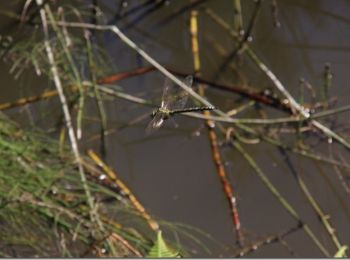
<point>190,109</point>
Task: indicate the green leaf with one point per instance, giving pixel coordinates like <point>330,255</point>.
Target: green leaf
<point>161,250</point>
<point>341,252</point>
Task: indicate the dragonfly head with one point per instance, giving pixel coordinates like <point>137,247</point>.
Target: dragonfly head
<point>154,112</point>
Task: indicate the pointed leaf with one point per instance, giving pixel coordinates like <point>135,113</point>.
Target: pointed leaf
<point>160,249</point>
<point>341,252</point>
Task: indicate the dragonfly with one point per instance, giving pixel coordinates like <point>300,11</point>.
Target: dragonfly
<point>173,102</point>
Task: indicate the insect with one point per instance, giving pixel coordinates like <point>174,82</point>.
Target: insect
<point>173,102</point>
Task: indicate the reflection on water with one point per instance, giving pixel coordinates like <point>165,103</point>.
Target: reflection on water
<point>172,171</point>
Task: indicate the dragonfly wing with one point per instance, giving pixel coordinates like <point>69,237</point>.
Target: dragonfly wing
<point>155,123</point>
<point>174,97</point>
<point>189,81</point>
<point>167,93</point>
<point>181,102</point>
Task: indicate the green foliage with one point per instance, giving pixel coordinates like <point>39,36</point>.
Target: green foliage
<point>161,250</point>
<point>42,199</point>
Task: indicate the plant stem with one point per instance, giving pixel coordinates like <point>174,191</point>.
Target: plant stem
<point>66,112</point>
<point>227,187</point>
<point>280,198</point>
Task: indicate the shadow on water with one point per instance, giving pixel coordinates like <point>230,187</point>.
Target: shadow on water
<point>172,171</point>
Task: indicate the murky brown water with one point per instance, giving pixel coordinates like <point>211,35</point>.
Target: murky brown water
<point>173,173</point>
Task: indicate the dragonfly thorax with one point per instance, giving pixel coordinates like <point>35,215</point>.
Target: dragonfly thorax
<point>165,113</point>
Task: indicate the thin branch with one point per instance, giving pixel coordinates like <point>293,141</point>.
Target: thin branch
<point>247,36</point>
<point>279,196</point>
<point>148,58</point>
<point>312,201</point>
<point>66,112</point>
<point>176,13</point>
<point>295,106</point>
<point>237,17</point>
<point>268,240</point>
<point>74,69</point>
<point>137,205</point>
<point>99,101</point>
<point>227,187</point>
